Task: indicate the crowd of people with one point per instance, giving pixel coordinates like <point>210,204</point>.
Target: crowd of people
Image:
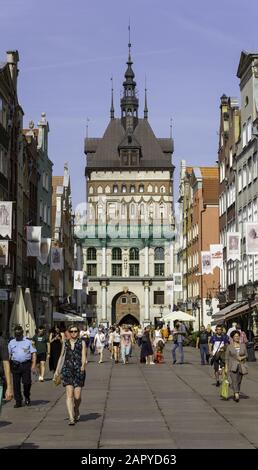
<point>67,352</point>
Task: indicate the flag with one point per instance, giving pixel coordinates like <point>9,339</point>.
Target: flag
<point>44,250</point>
<point>57,260</point>
<point>33,241</point>
<point>6,208</point>
<point>233,246</point>
<point>4,245</point>
<point>77,280</point>
<point>206,262</point>
<point>216,256</point>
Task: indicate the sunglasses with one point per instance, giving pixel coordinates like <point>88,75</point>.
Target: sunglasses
<point>73,331</point>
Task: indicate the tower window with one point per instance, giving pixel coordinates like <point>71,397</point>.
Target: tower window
<point>115,188</point>
<point>132,189</point>
<point>141,188</point>
<point>123,188</point>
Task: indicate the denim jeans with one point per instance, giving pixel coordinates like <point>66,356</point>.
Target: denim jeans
<point>181,350</point>
<point>204,351</point>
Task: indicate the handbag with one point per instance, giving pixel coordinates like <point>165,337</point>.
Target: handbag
<point>243,369</point>
<point>224,388</point>
<point>57,379</point>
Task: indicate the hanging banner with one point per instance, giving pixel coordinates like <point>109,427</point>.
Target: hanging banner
<point>177,282</point>
<point>6,219</point>
<point>77,280</point>
<point>233,246</point>
<point>3,253</point>
<point>57,260</point>
<point>216,256</point>
<point>206,262</point>
<point>44,250</point>
<point>251,238</point>
<point>33,240</point>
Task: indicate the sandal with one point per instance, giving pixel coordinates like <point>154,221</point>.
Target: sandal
<point>71,422</point>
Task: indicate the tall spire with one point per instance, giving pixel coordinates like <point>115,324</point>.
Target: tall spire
<point>129,100</point>
<point>112,111</point>
<point>145,102</point>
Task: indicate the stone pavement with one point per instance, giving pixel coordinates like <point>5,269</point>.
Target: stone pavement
<point>137,406</point>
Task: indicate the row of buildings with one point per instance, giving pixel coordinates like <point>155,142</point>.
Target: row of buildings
<point>216,201</point>
<point>26,180</point>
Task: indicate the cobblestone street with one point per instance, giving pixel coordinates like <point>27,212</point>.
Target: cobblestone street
<point>138,406</point>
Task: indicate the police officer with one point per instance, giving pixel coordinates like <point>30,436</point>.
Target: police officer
<point>23,360</point>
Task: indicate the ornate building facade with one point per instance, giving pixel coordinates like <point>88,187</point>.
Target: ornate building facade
<point>128,239</point>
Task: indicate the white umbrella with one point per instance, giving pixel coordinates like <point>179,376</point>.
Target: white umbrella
<point>30,319</point>
<point>178,315</point>
<point>18,314</point>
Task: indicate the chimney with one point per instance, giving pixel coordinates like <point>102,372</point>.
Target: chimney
<point>12,58</point>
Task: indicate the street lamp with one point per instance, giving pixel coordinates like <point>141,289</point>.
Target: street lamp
<point>8,282</point>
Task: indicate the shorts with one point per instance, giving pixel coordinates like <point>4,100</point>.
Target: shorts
<point>41,357</point>
<point>116,344</point>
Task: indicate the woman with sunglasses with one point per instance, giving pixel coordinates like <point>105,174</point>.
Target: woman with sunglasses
<point>73,356</point>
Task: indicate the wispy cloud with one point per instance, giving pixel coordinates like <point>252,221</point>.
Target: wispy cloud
<point>77,63</point>
<point>212,33</point>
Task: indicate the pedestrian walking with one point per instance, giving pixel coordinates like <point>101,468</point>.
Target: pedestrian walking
<point>146,348</point>
<point>202,342</point>
<point>23,361</point>
<point>126,343</point>
<point>236,355</point>
<point>99,344</point>
<point>116,344</point>
<point>6,389</point>
<point>72,371</point>
<point>41,342</point>
<point>93,331</point>
<point>217,347</point>
<point>85,336</point>
<point>178,333</point>
<point>56,339</point>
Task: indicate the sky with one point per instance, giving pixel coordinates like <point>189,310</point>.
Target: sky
<point>188,50</point>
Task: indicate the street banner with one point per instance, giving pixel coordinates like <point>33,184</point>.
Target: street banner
<point>216,256</point>
<point>6,208</point>
<point>251,238</point>
<point>206,262</point>
<point>57,260</point>
<point>4,252</point>
<point>177,282</point>
<point>233,246</point>
<point>33,240</point>
<point>78,280</point>
<point>44,250</point>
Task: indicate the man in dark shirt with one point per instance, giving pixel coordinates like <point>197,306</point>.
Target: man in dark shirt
<point>202,341</point>
<point>218,344</point>
<point>42,345</point>
<point>5,372</point>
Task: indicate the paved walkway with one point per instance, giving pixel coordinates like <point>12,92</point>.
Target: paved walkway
<point>138,406</point>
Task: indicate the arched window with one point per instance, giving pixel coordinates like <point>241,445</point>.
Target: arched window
<point>132,210</point>
<point>91,254</point>
<point>133,254</point>
<point>159,254</point>
<point>141,188</point>
<point>116,254</point>
<point>162,189</point>
<point>100,190</point>
<point>142,207</point>
<point>123,188</point>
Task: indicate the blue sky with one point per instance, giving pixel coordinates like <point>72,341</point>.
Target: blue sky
<point>189,51</point>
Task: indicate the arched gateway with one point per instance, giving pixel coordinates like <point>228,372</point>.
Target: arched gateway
<point>125,308</point>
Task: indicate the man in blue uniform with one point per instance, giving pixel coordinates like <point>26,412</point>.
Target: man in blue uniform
<point>23,361</point>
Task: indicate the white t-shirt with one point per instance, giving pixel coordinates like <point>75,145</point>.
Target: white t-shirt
<point>100,340</point>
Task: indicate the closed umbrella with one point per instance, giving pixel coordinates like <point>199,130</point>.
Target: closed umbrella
<point>30,319</point>
<point>18,314</point>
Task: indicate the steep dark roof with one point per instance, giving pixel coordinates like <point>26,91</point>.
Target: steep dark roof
<point>104,153</point>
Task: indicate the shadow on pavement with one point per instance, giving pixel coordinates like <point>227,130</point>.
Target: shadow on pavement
<point>5,423</point>
<point>39,402</point>
<point>90,416</point>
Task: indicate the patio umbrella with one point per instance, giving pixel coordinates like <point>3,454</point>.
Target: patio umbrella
<point>18,314</point>
<point>30,319</point>
<point>178,315</point>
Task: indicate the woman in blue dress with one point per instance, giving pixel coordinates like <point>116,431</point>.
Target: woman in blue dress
<point>72,364</point>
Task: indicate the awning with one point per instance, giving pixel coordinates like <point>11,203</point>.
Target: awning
<point>66,317</point>
<point>224,313</point>
<point>244,309</point>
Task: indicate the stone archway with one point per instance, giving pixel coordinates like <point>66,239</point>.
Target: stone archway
<point>125,308</point>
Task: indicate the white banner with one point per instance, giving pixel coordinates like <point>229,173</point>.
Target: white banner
<point>206,262</point>
<point>33,241</point>
<point>177,282</point>
<point>4,252</point>
<point>216,256</point>
<point>57,260</point>
<point>251,238</point>
<point>233,246</point>
<point>44,250</point>
<point>6,209</point>
<point>77,280</point>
